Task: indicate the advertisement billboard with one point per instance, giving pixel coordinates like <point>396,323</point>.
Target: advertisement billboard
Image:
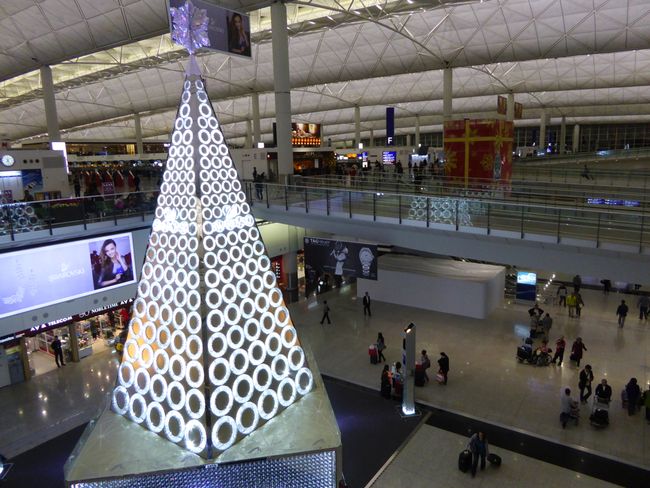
<point>526,278</point>
<point>526,286</point>
<point>214,28</point>
<point>389,157</point>
<point>325,258</point>
<point>48,275</point>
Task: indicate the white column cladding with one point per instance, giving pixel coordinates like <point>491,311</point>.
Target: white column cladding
<point>257,133</point>
<point>576,138</point>
<point>290,274</point>
<point>510,112</point>
<point>51,116</point>
<point>542,131</point>
<point>563,135</point>
<point>139,149</point>
<point>282,86</point>
<point>372,138</point>
<point>408,140</point>
<point>447,91</point>
<point>417,130</point>
<point>249,134</point>
<point>357,126</point>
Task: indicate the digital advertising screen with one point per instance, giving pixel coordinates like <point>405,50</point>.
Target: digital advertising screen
<point>340,258</point>
<point>216,28</point>
<point>53,274</point>
<point>526,278</point>
<point>389,157</point>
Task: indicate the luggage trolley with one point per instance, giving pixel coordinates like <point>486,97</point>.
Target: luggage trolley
<point>599,412</point>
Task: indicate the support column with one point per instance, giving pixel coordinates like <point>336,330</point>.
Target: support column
<point>24,358</point>
<point>257,133</point>
<point>139,148</point>
<point>408,140</point>
<point>563,135</point>
<point>74,343</point>
<point>510,112</point>
<point>417,131</point>
<point>542,132</point>
<point>372,138</point>
<point>447,90</point>
<point>282,86</point>
<point>51,115</point>
<point>249,134</point>
<point>290,274</point>
<point>357,126</point>
<point>576,139</point>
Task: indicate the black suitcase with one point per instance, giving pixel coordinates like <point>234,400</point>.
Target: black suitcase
<point>600,417</point>
<point>386,390</point>
<point>465,460</point>
<point>419,378</point>
<point>494,459</point>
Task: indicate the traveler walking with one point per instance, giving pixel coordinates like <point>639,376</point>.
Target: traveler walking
<point>584,384</point>
<point>572,302</point>
<point>579,304</point>
<point>381,345</point>
<point>366,305</point>
<point>577,350</point>
<point>478,446</point>
<point>562,292</point>
<point>621,312</point>
<point>326,313</point>
<point>443,364</point>
<point>633,395</point>
<point>385,386</point>
<point>644,306</point>
<point>547,323</point>
<point>426,364</point>
<point>577,283</point>
<point>58,352</point>
<point>560,345</point>
<point>646,403</point>
<point>569,408</point>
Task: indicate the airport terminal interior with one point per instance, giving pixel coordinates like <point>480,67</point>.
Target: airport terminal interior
<point>324,243</point>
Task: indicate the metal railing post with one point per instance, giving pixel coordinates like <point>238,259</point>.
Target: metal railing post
<point>641,234</point>
<point>83,212</point>
<point>428,210</point>
<point>266,188</point>
<point>374,207</point>
<point>489,206</point>
<point>598,232</point>
<point>10,217</point>
<point>286,198</point>
<point>327,200</point>
<point>49,215</point>
<point>350,203</point>
<point>306,201</point>
<point>559,218</point>
<point>522,222</point>
<point>399,207</point>
<point>457,216</point>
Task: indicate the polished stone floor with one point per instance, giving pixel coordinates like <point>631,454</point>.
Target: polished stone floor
<point>485,380</point>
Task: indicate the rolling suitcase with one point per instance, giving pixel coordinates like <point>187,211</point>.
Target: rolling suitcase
<point>419,375</point>
<point>465,460</point>
<point>372,352</point>
<point>494,459</point>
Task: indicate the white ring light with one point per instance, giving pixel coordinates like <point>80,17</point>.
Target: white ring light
<point>182,368</point>
<point>258,248</point>
<point>222,242</point>
<point>210,259</point>
<point>195,414</point>
<point>177,138</point>
<point>166,314</point>
<point>232,237</point>
<point>173,415</point>
<point>155,428</point>
<point>193,322</point>
<point>161,353</point>
<point>223,346</point>
<point>205,164</point>
<point>137,398</point>
<point>214,408</point>
<point>289,336</point>
<point>127,354</point>
<point>175,386</point>
<point>223,257</point>
<point>251,266</point>
<point>273,337</point>
<point>261,303</point>
<point>181,259</point>
<point>254,234</point>
<point>179,317</point>
<point>212,374</point>
<point>243,378</point>
<point>193,279</point>
<point>146,355</point>
<point>239,362</point>
<point>204,151</point>
<point>229,293</point>
<point>193,263</point>
<point>247,250</point>
<point>193,300</point>
<point>239,270</point>
<point>223,150</point>
<point>267,415</point>
<point>303,390</point>
<point>247,307</point>
<point>262,368</point>
<point>242,235</point>
<point>191,427</point>
<point>296,363</point>
<point>136,326</point>
<point>247,429</point>
<point>281,316</point>
<point>227,162</point>
<point>204,136</point>
<point>143,287</point>
<point>275,296</point>
<point>256,358</point>
<point>182,243</point>
<point>267,322</point>
<point>142,373</point>
<point>181,277</point>
<point>204,109</point>
<point>208,241</point>
<point>178,349</point>
<point>180,298</point>
<point>280,371</point>
<point>158,379</point>
<point>232,319</point>
<point>149,333</point>
<point>257,285</point>
<point>252,329</point>
<point>269,280</point>
<point>235,337</point>
<point>139,307</point>
<point>120,392</point>
<point>211,278</point>
<point>187,137</point>
<point>194,342</point>
<point>284,401</point>
<point>194,366</point>
<point>217,137</point>
<point>224,421</point>
<point>213,123</point>
<point>225,273</point>
<point>215,319</point>
<point>126,383</point>
<point>152,311</point>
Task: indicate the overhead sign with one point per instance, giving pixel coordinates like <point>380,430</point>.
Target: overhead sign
<point>48,275</point>
<point>340,258</point>
<point>389,157</point>
<point>390,126</point>
<point>199,24</point>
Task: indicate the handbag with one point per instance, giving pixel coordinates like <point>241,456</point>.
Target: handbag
<point>440,377</point>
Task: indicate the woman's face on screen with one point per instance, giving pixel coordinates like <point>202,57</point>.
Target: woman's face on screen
<point>110,250</point>
<point>237,21</point>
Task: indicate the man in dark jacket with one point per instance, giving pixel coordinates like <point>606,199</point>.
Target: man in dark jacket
<point>478,446</point>
<point>621,312</point>
<point>604,391</point>
<point>57,349</point>
<point>443,363</point>
<point>586,377</point>
<point>366,305</point>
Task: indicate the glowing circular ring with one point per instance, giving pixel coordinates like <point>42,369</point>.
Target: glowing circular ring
<point>262,368</point>
<point>248,308</point>
<point>136,326</point>
<point>193,322</point>
<point>212,278</point>
<point>223,389</point>
<point>222,242</point>
<point>240,413</point>
<point>213,298</point>
<point>155,380</point>
<point>225,273</point>
<point>139,307</point>
<point>273,337</point>
<point>223,257</point>
<point>261,303</point>
<point>232,238</point>
<point>165,315</point>
<point>229,293</point>
<point>161,353</point>
<point>229,319</point>
<point>222,446</point>
<point>204,109</point>
<point>143,408</point>
<point>161,414</point>
<point>269,279</point>
<point>285,402</point>
<point>208,241</point>
<point>203,98</point>
<point>224,345</point>
<point>181,348</point>
<point>179,317</point>
<point>233,342</point>
<point>252,329</point>
<point>182,259</point>
<point>193,279</point>
<point>289,341</point>
<point>247,250</point>
<point>310,381</point>
<point>258,248</point>
<point>243,235</point>
<point>215,318</point>
<point>193,300</point>
<point>196,340</point>
<point>194,365</point>
<point>217,137</point>
<point>234,367</point>
<point>120,374</point>
<point>127,354</point>
<point>181,277</point>
<point>192,394</point>
<point>279,373</point>
<point>236,185</point>
<point>267,322</point>
<point>257,285</point>
<point>204,136</point>
<point>188,137</point>
<point>142,372</point>
<point>243,378</point>
<point>152,311</point>
<point>281,316</point>
<point>177,138</point>
<point>239,270</point>
<point>223,150</point>
<point>257,344</point>
<point>120,391</point>
<point>214,123</point>
<point>174,415</point>
<point>260,404</point>
<point>149,338</point>
<point>195,426</point>
<point>176,385</point>
<point>212,373</point>
<point>275,297</point>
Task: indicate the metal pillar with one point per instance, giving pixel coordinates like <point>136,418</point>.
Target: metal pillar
<point>542,132</point>
<point>408,393</point>
<point>249,134</point>
<point>51,115</point>
<point>282,86</point>
<point>257,133</point>
<point>447,90</point>
<point>357,126</point>
<point>417,131</point>
<point>510,112</point>
<point>408,140</point>
<point>576,138</point>
<point>139,148</point>
<point>372,138</point>
<point>290,274</point>
<point>563,135</point>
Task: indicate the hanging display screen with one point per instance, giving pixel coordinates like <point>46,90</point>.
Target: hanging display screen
<point>44,276</point>
<point>339,258</point>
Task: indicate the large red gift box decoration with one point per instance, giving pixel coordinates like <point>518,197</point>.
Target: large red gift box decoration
<point>478,151</point>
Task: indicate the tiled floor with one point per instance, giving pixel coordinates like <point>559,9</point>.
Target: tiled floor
<point>430,458</point>
<point>485,380</point>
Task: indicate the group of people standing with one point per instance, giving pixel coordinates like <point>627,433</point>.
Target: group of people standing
<point>573,301</point>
